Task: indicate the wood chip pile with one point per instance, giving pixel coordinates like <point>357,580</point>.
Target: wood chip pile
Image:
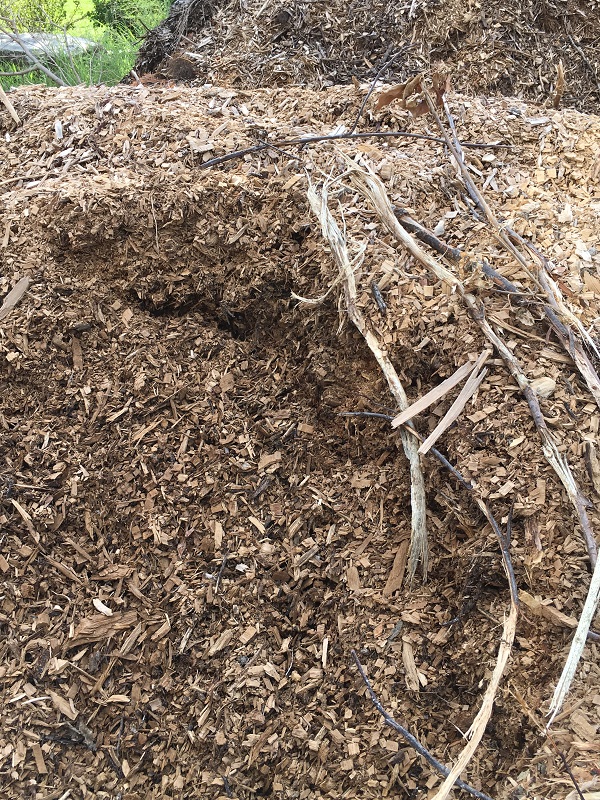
<point>492,47</point>
<point>194,538</point>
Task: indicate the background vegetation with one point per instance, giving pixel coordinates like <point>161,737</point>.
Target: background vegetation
<point>116,27</point>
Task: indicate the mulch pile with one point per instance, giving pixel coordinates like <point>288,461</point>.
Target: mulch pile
<point>493,47</point>
<point>193,538</point>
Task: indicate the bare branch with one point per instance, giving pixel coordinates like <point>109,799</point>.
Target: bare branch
<point>13,34</point>
<point>26,71</point>
<point>304,140</point>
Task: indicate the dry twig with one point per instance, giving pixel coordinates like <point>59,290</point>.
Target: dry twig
<point>507,237</point>
<point>477,729</point>
<point>426,236</point>
<point>473,382</point>
<point>438,392</point>
<point>414,743</point>
<point>9,106</point>
<point>305,140</point>
<point>410,428</point>
<point>577,645</point>
<point>8,27</point>
<point>336,239</point>
<point>554,309</point>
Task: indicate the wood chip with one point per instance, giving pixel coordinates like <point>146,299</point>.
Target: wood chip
<point>396,576</point>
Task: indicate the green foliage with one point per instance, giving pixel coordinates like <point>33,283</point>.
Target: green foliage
<point>34,15</point>
<point>117,43</point>
<point>114,58</point>
<point>115,14</point>
<point>132,16</point>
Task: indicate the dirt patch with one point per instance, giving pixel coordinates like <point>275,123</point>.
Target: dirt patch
<point>194,538</point>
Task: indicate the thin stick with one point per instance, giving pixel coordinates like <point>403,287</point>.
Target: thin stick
<point>556,460</point>
<point>14,72</point>
<point>332,233</point>
<point>455,149</point>
<point>427,236</point>
<point>477,729</point>
<point>569,772</point>
<point>500,280</point>
<point>577,646</point>
<point>304,140</point>
<point>543,280</point>
<point>570,344</point>
<point>18,178</point>
<point>13,34</point>
<point>504,541</point>
<point>411,429</point>
<point>584,58</point>
<point>9,106</point>
<point>220,575</point>
<point>455,409</point>
<point>439,391</point>
<point>554,294</point>
<point>374,414</point>
<point>414,743</point>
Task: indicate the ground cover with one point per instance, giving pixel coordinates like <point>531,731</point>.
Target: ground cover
<point>194,538</point>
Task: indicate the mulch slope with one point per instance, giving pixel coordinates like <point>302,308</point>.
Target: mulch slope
<point>193,538</point>
<point>495,47</point>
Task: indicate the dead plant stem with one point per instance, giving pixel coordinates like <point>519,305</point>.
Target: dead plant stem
<point>332,233</point>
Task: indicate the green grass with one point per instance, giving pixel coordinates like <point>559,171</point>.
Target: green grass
<point>78,13</point>
<point>113,58</point>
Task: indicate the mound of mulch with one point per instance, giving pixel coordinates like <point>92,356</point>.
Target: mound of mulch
<point>193,537</point>
<point>496,47</point>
